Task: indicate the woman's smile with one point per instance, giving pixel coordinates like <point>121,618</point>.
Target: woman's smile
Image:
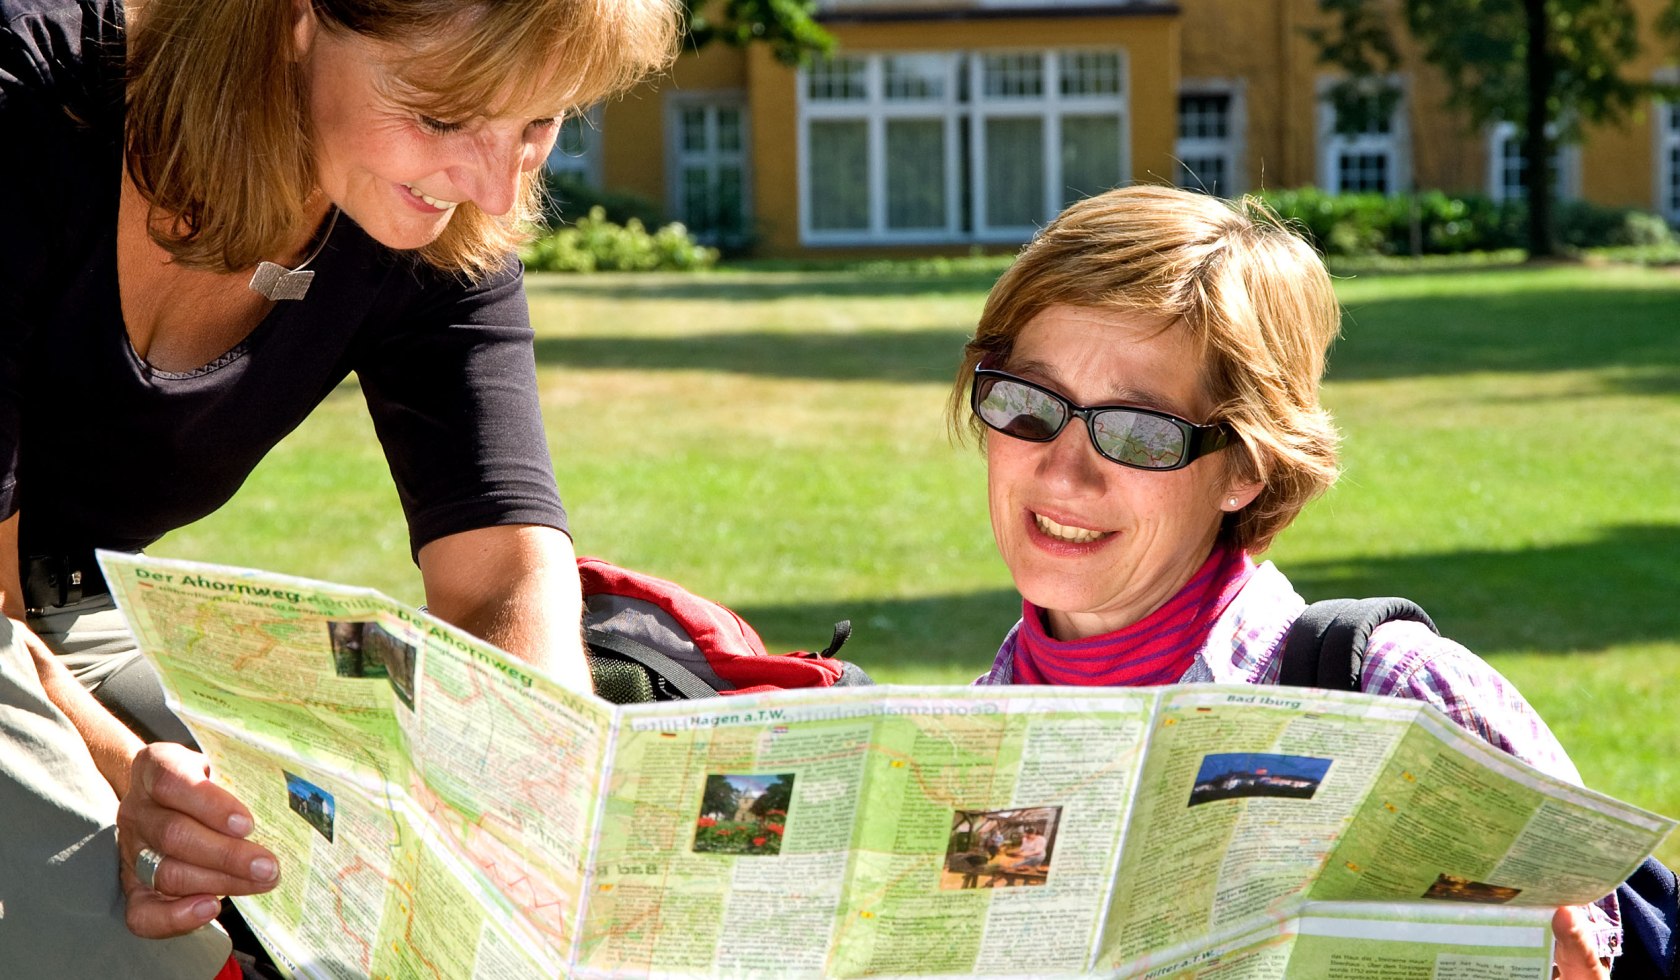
<point>1057,536</point>
<point>435,205</point>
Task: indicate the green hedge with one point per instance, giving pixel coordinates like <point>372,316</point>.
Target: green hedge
<point>1583,225</point>
<point>595,244</point>
<point>1434,223</point>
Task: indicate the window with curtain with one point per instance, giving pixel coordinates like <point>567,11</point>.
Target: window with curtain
<point>956,146</point>
<point>1014,154</point>
<point>838,175</point>
<point>915,139</point>
<point>1090,155</point>
<point>915,184</point>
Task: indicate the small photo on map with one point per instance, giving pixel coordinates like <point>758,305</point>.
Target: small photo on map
<point>350,659</point>
<point>1456,889</point>
<point>311,802</point>
<point>365,649</point>
<point>1000,848</point>
<point>743,814</point>
<point>397,657</point>
<point>1227,775</point>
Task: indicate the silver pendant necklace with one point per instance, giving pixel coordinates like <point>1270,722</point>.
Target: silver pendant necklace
<point>276,282</point>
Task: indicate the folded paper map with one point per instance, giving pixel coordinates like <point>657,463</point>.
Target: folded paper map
<point>441,809</point>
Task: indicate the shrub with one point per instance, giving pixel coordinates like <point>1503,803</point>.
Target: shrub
<point>1580,224</point>
<point>595,244</point>
<point>1435,223</point>
<point>1345,224</point>
<point>1451,225</point>
<point>1375,224</point>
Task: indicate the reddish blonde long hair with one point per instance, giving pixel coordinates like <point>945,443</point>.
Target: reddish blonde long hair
<point>218,137</point>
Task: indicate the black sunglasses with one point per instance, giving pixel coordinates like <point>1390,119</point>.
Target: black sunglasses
<point>1135,437</point>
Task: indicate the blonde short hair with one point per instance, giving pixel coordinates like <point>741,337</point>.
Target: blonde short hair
<point>1255,297</point>
<point>217,130</point>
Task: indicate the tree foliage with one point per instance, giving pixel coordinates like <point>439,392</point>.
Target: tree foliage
<point>1361,45</point>
<point>1549,67</point>
<point>1483,49</point>
<point>789,27</point>
<point>719,797</point>
<point>776,797</point>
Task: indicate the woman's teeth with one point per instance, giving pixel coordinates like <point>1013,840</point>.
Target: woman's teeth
<point>1061,532</point>
<point>434,202</point>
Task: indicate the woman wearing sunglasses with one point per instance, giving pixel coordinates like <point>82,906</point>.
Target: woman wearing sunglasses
<point>1145,380</point>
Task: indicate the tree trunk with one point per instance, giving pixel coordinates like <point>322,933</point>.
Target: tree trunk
<point>1536,142</point>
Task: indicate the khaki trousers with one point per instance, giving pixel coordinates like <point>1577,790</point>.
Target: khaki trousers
<point>91,638</point>
<point>61,907</point>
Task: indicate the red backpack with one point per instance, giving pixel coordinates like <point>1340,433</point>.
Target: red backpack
<point>653,640</point>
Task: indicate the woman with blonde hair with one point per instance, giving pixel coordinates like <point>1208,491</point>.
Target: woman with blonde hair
<point>220,209</point>
<point>1145,381</point>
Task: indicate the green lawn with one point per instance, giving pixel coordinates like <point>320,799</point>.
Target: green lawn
<point>776,440</point>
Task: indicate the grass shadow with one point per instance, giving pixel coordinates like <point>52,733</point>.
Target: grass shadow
<point>953,634</point>
<point>1528,331</point>
<point>1617,589</point>
<point>879,355</point>
<point>1448,332</point>
<point>758,287</point>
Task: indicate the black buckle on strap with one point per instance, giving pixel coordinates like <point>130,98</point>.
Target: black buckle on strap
<point>60,580</point>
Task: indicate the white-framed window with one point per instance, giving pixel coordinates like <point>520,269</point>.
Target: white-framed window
<point>956,146</point>
<point>1668,160</point>
<point>707,186</point>
<point>1507,168</point>
<point>880,148</point>
<point>577,149</point>
<point>1374,158</point>
<point>1211,125</point>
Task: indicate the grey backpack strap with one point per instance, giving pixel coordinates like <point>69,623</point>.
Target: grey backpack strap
<point>1326,645</point>
<point>658,665</point>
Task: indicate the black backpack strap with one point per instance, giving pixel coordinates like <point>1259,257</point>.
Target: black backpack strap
<point>1650,901</point>
<point>1326,645</point>
<point>842,633</point>
<point>656,663</point>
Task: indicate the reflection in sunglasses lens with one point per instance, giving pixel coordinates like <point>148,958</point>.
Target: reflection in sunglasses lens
<point>1131,438</point>
<point>1025,413</point>
<point>1139,440</point>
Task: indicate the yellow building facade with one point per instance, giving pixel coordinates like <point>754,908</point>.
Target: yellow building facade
<point>941,126</point>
